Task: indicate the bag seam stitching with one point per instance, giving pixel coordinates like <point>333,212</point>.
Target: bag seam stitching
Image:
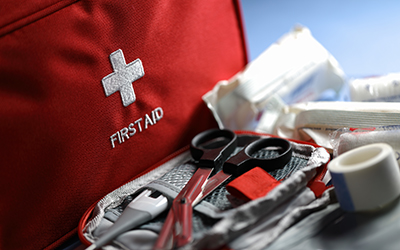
<point>42,13</point>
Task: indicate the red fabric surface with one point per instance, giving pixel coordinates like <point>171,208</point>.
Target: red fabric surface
<point>56,121</point>
<point>318,187</point>
<point>253,184</point>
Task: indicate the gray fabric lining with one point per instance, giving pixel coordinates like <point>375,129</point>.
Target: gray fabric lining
<point>116,197</point>
<point>333,228</point>
<point>245,217</point>
<point>216,221</point>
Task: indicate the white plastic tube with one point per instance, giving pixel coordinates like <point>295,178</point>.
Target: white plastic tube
<point>142,209</point>
<point>366,178</point>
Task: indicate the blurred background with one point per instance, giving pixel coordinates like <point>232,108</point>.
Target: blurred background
<point>363,36</point>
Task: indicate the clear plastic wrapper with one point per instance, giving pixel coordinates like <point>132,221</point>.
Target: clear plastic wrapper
<point>345,139</point>
<point>314,121</point>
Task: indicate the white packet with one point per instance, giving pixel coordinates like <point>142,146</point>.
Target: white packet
<point>376,89</point>
<point>314,121</point>
<point>294,69</point>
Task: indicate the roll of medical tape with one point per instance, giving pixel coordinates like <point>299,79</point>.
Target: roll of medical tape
<point>366,178</point>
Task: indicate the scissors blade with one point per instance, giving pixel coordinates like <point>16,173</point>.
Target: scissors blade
<point>211,185</point>
<point>194,186</point>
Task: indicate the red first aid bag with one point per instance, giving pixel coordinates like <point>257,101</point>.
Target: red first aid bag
<point>94,93</point>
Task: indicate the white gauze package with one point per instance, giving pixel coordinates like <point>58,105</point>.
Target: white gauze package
<point>315,121</point>
<point>294,69</point>
<point>384,88</point>
<point>346,139</point>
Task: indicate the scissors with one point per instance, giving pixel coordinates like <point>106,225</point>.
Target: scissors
<point>211,150</point>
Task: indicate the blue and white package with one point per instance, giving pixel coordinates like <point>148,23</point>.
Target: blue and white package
<point>366,178</point>
<point>294,69</point>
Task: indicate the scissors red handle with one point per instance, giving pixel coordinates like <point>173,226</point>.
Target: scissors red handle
<point>210,149</point>
<point>243,160</point>
<point>177,228</point>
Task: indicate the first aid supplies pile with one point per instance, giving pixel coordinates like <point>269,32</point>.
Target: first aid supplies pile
<point>297,90</point>
<point>142,125</point>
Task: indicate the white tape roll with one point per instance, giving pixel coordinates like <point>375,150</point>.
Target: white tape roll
<point>366,178</point>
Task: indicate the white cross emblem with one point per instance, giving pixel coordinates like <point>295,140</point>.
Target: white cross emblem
<point>122,78</point>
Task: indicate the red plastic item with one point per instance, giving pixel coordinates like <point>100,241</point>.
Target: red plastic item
<point>253,184</point>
